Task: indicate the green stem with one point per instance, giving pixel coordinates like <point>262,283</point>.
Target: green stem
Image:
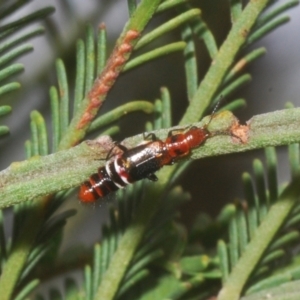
<point>19,254</point>
<point>262,239</point>
<point>65,169</point>
<point>223,61</point>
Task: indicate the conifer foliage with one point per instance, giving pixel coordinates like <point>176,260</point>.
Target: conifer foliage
<point>145,251</point>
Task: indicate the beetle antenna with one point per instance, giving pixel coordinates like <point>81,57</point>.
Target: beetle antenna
<point>215,110</point>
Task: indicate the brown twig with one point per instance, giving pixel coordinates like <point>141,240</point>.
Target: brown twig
<point>107,78</point>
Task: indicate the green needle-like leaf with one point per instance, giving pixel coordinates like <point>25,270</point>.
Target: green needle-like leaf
<point>131,6</point>
<point>12,43</point>
<point>243,62</point>
<point>232,87</point>
<point>224,262</point>
<point>201,30</point>
<point>153,54</point>
<point>191,71</point>
<point>235,9</point>
<point>139,265</point>
<point>269,283</point>
<point>293,221</point>
<point>167,4</point>
<point>133,281</point>
<point>285,239</point>
<point>253,204</point>
<point>28,147</point>
<point>271,157</point>
<point>111,131</point>
<point>96,267</point>
<point>4,110</point>
<point>234,240</point>
<point>16,52</point>
<point>63,96</point>
<point>242,230</point>
<point>37,118</point>
<point>158,110</point>
<point>27,289</point>
<point>88,283</point>
<point>40,14</point>
<point>9,88</point>
<point>166,108</point>
<point>120,111</point>
<point>80,75</point>
<point>11,70</point>
<point>55,116</point>
<point>90,59</point>
<point>275,12</point>
<point>272,25</point>
<point>34,138</point>
<point>286,291</point>
<point>11,8</point>
<point>261,188</point>
<point>166,27</point>
<point>101,48</point>
<point>273,256</point>
<point>234,105</point>
<point>294,158</point>
<point>31,264</point>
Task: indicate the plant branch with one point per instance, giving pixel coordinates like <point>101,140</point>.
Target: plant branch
<point>65,169</point>
<point>261,240</point>
<point>104,82</point>
<point>223,61</point>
